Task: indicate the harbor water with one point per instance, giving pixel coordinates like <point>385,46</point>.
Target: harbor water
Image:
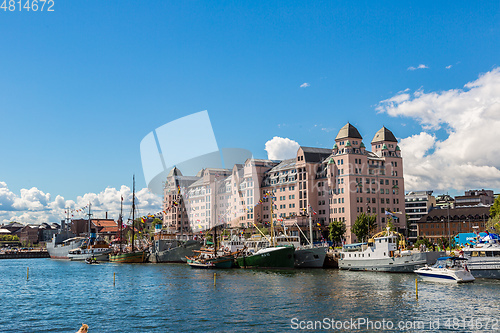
<point>58,296</point>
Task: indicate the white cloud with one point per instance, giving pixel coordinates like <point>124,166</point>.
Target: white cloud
<point>421,66</point>
<point>281,148</point>
<point>34,206</point>
<point>469,156</point>
<point>305,85</point>
<point>449,66</point>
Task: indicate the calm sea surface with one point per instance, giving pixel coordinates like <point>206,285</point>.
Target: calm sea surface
<point>60,295</point>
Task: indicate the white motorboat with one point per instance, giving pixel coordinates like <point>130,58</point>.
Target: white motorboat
<point>447,269</point>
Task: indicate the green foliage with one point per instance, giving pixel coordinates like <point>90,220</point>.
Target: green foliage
<point>493,222</point>
<point>336,231</point>
<point>156,221</point>
<point>264,231</point>
<point>423,240</point>
<point>443,242</point>
<point>390,224</point>
<point>495,208</point>
<point>364,226</point>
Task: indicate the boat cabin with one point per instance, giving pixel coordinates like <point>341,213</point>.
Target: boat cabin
<point>376,248</point>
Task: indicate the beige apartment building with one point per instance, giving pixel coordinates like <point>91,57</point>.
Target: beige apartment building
<point>334,184</point>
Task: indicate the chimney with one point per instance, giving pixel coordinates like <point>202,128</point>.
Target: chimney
<point>106,215</point>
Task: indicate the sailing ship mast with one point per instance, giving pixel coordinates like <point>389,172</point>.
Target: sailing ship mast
<point>120,220</point>
<point>133,213</point>
<point>89,220</point>
<point>310,227</point>
<point>272,223</point>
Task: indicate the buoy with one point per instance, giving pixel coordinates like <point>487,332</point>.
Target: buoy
<point>114,279</point>
<point>215,278</point>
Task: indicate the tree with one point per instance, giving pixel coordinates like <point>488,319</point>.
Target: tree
<point>336,231</point>
<point>495,208</point>
<point>493,224</point>
<point>423,240</point>
<point>364,226</point>
<point>443,242</point>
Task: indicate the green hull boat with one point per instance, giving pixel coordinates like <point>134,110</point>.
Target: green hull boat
<point>271,257</point>
<point>128,257</point>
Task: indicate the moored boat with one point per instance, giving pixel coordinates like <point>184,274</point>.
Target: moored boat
<point>446,269</point>
<point>173,249</point>
<point>61,250</point>
<point>381,254</point>
<point>271,257</point>
<point>207,259</point>
<point>134,255</point>
<point>484,257</point>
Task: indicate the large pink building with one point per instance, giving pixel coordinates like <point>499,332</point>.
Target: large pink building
<point>334,184</point>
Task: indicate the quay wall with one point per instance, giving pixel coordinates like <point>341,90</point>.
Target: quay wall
<point>25,255</point>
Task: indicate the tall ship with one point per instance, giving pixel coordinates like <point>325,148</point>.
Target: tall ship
<point>484,257</point>
<point>381,254</point>
<point>134,255</point>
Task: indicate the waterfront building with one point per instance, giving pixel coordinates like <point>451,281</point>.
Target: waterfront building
<point>450,222</point>
<point>417,205</point>
<point>29,234</point>
<point>362,181</point>
<point>475,198</point>
<point>47,231</point>
<point>334,184</point>
<point>175,217</point>
<point>14,228</point>
<point>445,201</point>
<point>107,228</point>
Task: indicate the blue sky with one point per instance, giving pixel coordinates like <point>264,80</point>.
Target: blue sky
<point>81,86</point>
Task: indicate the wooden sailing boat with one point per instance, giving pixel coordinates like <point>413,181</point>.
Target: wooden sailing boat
<point>134,255</point>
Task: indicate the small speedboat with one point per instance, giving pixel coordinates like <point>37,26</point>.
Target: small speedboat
<point>447,269</point>
<point>91,261</point>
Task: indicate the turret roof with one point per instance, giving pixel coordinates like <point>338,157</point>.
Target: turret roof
<point>348,131</point>
<point>384,135</point>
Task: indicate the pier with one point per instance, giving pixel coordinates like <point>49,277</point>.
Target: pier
<point>24,254</point>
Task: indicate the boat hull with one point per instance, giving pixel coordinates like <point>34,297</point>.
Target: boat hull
<point>271,258</point>
<point>129,257</point>
<point>448,277</point>
<point>219,262</point>
<point>484,267</point>
<point>310,258</point>
<point>61,251</point>
<point>402,264</point>
<point>101,256</point>
<point>176,254</point>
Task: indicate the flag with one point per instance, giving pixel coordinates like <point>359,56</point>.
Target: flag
<point>319,225</point>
